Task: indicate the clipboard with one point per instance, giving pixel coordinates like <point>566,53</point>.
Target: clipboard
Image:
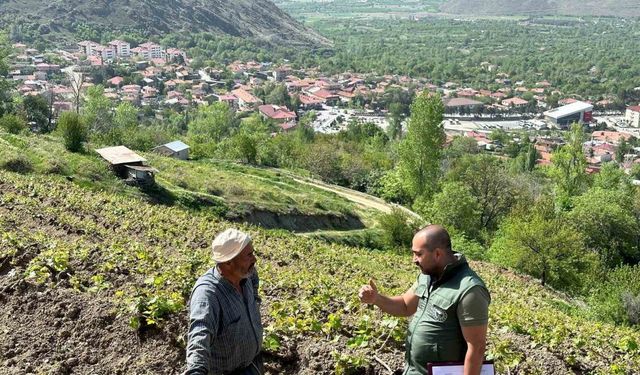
<point>457,368</point>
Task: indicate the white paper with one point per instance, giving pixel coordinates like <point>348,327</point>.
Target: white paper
<point>487,369</point>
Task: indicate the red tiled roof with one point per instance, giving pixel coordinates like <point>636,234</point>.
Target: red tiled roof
<point>245,96</point>
<point>607,136</point>
<point>276,112</point>
<point>305,99</point>
<point>324,94</point>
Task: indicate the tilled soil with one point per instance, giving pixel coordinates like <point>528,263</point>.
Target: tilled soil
<point>61,331</point>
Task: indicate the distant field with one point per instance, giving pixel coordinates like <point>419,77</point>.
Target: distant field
<point>317,9</point>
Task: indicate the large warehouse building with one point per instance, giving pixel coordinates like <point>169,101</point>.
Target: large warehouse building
<point>564,116</point>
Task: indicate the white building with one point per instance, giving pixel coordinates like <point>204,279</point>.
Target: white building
<point>123,49</point>
<point>633,116</point>
<point>88,47</point>
<point>151,50</point>
<point>564,116</point>
<point>107,53</point>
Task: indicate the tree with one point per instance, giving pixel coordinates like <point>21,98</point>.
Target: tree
<point>612,177</point>
<point>494,190</point>
<point>12,123</point>
<point>459,147</point>
<point>605,218</point>
<point>6,103</point>
<point>37,111</point>
<point>126,116</point>
<point>454,207</point>
<point>568,167</point>
<point>545,247</point>
<point>623,148</point>
<point>211,123</point>
<point>76,81</point>
<point>74,131</point>
<point>420,151</point>
<point>278,95</point>
<point>395,120</point>
<point>97,110</point>
<point>247,141</point>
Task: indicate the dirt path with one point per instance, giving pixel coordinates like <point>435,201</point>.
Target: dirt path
<point>360,198</point>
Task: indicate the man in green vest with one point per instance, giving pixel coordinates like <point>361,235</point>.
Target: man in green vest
<point>449,303</point>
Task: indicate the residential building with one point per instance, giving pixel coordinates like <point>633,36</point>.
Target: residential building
<point>246,100</point>
<point>122,48</point>
<point>632,116</point>
<point>277,113</point>
<point>514,102</point>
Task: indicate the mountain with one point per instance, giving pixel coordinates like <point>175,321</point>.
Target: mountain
<point>618,8</point>
<point>259,19</point>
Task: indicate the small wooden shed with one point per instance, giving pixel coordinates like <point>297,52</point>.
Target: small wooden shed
<point>128,165</point>
<point>175,149</point>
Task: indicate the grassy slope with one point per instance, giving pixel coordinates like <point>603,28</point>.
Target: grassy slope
<point>115,249</point>
<point>243,189</point>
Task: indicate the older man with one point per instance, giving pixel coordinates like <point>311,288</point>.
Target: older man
<point>449,304</point>
<point>225,333</point>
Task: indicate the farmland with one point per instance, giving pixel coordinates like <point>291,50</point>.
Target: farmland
<point>115,271</point>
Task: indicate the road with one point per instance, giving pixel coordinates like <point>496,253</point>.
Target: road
<point>358,197</point>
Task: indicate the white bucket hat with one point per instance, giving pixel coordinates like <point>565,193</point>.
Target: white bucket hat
<point>228,244</point>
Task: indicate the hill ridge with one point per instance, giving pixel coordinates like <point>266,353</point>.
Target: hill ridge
<point>259,19</point>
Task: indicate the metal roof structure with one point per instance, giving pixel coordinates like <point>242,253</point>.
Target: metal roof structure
<point>176,146</point>
<point>119,155</point>
<point>568,109</point>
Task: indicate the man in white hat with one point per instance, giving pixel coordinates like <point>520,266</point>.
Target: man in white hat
<point>225,331</point>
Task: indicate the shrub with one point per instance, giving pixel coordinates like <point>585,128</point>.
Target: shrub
<point>74,131</point>
<point>12,124</point>
<point>616,296</point>
<point>397,229</point>
<point>470,248</point>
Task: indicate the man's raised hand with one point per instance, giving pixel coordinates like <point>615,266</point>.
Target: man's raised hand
<point>368,293</point>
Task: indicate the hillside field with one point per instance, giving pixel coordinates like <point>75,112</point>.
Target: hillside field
<point>94,280</point>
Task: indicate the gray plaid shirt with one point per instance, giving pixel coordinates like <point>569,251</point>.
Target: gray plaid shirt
<point>225,331</point>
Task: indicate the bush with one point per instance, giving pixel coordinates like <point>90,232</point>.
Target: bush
<point>74,131</point>
<point>397,229</point>
<point>12,124</point>
<point>616,296</point>
<point>470,248</point>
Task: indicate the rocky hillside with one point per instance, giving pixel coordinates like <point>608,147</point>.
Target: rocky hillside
<point>618,8</point>
<point>244,18</point>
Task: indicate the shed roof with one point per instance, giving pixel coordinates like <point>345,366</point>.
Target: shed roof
<point>119,155</point>
<point>176,146</point>
<point>569,109</point>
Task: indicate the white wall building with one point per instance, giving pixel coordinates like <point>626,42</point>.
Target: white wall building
<point>632,116</point>
<point>123,49</point>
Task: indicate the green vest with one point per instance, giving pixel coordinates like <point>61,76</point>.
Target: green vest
<point>434,332</point>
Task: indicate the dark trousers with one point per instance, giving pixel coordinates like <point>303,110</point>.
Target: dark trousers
<point>255,368</point>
